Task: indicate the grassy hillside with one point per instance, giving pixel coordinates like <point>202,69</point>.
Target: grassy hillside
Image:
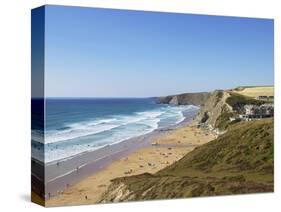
<point>238,162</point>
<point>255,91</point>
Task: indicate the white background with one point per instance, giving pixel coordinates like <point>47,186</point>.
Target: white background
<point>15,103</point>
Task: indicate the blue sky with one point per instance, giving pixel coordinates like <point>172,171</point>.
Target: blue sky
<point>120,53</point>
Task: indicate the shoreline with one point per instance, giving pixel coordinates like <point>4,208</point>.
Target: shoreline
<point>160,150</point>
<point>61,174</point>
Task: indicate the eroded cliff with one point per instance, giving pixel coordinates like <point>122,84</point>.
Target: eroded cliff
<point>185,99</point>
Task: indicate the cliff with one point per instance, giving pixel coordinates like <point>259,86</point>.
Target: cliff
<point>216,111</point>
<point>222,105</point>
<point>185,99</point>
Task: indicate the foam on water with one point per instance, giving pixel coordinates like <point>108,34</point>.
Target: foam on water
<point>82,129</point>
<point>76,138</point>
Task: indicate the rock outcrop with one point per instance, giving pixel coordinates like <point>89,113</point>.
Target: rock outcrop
<point>213,106</point>
<point>212,110</point>
<point>185,99</point>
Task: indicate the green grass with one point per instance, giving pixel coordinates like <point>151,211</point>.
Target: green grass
<point>247,146</point>
<point>238,162</point>
<point>237,101</point>
<point>223,121</point>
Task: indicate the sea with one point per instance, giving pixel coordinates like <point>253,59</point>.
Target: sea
<point>77,125</point>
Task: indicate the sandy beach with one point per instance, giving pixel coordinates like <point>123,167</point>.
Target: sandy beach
<point>161,151</point>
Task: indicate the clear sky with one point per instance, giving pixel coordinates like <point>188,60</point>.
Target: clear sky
<point>120,53</point>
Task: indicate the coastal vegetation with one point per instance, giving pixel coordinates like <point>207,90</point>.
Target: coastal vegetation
<point>238,101</point>
<point>237,162</point>
<point>255,91</point>
<point>223,120</point>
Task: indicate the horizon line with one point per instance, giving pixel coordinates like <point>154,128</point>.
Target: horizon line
<point>92,97</point>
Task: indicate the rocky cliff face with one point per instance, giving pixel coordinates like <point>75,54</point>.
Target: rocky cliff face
<point>185,99</point>
<point>213,109</point>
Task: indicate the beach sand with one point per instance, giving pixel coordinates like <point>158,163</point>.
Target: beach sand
<point>163,151</point>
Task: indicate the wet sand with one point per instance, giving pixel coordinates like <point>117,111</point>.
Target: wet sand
<point>57,176</point>
<point>150,153</point>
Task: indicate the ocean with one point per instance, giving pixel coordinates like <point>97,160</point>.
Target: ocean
<point>77,125</point>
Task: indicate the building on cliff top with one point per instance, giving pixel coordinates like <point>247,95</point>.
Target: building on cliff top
<point>257,112</point>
